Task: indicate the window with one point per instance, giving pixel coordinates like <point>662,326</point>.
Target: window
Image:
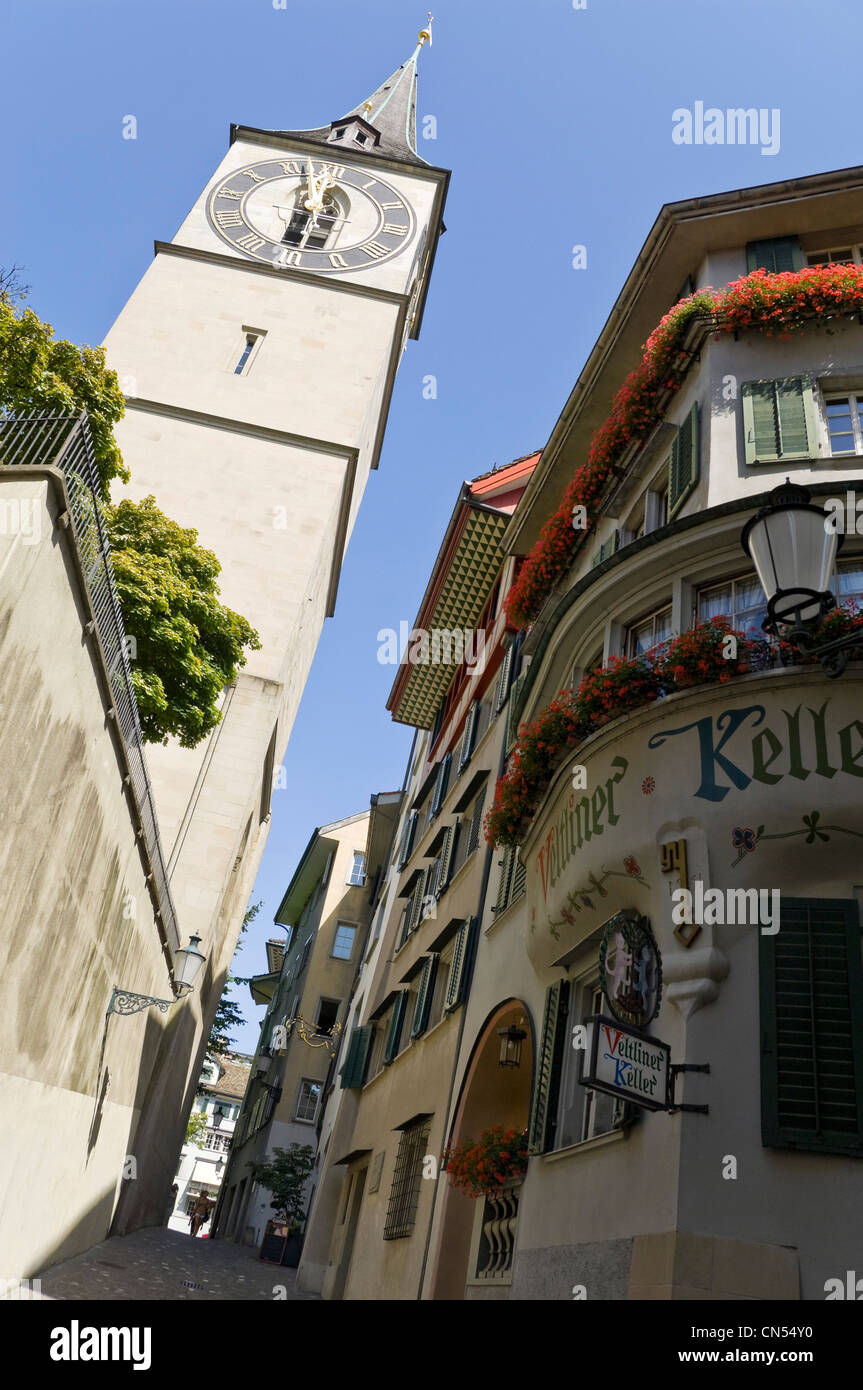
<point>328,1012</point>
<point>564,1112</point>
<point>311,230</point>
<point>357,874</point>
<point>811,987</point>
<point>469,833</point>
<point>407,840</point>
<point>439,989</point>
<point>845,424</point>
<point>778,420</point>
<point>407,1178</point>
<point>252,338</point>
<point>775,254</point>
<point>307,1100</point>
<point>343,946</point>
<point>849,589</point>
<point>656,505</point>
<point>395,1042</point>
<point>844,255</point>
<point>650,633</point>
<point>741,601</point>
<point>219,1143</point>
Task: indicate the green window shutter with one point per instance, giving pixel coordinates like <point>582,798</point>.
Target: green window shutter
<point>515,708</point>
<point>776,254</point>
<point>394,1035</point>
<point>357,1056</point>
<point>811,988</point>
<point>466,747</point>
<point>440,785</point>
<point>425,989</point>
<point>475,830</point>
<point>502,687</point>
<point>683,468</point>
<point>445,860</point>
<point>778,420</point>
<point>507,864</point>
<point>458,968</point>
<point>407,840</point>
<point>549,1060</point>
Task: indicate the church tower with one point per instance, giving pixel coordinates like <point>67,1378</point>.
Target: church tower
<point>258,354</point>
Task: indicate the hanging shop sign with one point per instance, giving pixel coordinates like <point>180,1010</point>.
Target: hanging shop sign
<point>626,1064</point>
<point>630,969</point>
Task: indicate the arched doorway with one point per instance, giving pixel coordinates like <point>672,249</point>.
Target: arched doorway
<point>475,1235</point>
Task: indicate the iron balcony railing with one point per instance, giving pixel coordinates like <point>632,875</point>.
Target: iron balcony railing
<point>63,441</point>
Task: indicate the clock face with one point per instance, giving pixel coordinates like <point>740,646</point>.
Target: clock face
<point>359,220</point>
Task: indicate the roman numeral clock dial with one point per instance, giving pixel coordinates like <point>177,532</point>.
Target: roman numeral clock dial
<point>310,214</point>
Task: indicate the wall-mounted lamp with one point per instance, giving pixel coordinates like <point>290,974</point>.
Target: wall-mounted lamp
<point>511,1040</point>
<point>793,546</point>
<point>187,964</point>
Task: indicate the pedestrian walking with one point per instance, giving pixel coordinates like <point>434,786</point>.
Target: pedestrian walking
<point>200,1213</point>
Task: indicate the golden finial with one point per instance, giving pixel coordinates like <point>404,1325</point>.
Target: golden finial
<point>367,106</point>
<point>425,35</point>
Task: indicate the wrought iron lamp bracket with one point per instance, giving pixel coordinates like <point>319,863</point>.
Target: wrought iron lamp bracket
<point>123,1002</point>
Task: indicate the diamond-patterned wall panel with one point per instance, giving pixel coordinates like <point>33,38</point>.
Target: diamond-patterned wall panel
<point>472,572</point>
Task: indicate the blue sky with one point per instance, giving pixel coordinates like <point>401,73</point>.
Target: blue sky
<point>557,125</point>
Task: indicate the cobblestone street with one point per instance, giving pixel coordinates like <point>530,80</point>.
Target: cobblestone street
<point>160,1264</point>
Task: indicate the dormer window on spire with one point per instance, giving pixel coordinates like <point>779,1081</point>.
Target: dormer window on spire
<point>354,131</point>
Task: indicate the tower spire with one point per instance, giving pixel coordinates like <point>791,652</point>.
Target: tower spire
<point>389,113</point>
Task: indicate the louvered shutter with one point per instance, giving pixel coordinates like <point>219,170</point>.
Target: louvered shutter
<point>476,824</point>
<point>440,785</point>
<point>407,840</point>
<point>812,1028</point>
<point>546,1087</point>
<point>778,420</point>
<point>505,881</point>
<point>775,254</point>
<point>515,706</point>
<point>519,879</point>
<point>357,1056</point>
<point>415,914</point>
<point>458,968</point>
<point>395,1030</point>
<point>467,738</point>
<point>425,990</point>
<point>445,859</point>
<point>502,688</point>
<point>683,468</point>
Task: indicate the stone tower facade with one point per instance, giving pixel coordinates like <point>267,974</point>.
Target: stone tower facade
<point>258,355</point>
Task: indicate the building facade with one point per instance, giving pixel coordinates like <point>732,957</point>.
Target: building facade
<point>737,784</point>
<point>307,988</point>
<point>258,356</point>
<point>407,1027</point>
<point>202,1164</point>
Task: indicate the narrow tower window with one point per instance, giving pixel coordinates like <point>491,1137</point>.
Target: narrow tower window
<point>247,349</point>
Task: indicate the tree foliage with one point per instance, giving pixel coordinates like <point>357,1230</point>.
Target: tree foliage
<point>228,1015</point>
<point>196,1128</point>
<point>41,372</point>
<point>284,1173</point>
<point>188,644</point>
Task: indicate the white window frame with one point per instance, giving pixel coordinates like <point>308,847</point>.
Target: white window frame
<point>349,926</point>
<point>306,1119</point>
<point>629,637</point>
<point>855,249</point>
<point>352,879</point>
<point>855,400</point>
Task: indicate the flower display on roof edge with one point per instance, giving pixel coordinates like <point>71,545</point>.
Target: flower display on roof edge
<point>774,304</point>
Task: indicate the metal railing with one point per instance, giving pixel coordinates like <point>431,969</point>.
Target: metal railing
<point>61,441</point>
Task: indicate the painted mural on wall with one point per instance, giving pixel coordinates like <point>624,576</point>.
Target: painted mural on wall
<point>707,770</point>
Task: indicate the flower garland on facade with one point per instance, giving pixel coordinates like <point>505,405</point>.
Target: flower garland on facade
<point>696,657</point>
<point>480,1168</point>
<point>776,305</point>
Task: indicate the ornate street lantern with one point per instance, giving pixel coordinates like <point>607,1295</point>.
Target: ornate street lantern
<point>511,1040</point>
